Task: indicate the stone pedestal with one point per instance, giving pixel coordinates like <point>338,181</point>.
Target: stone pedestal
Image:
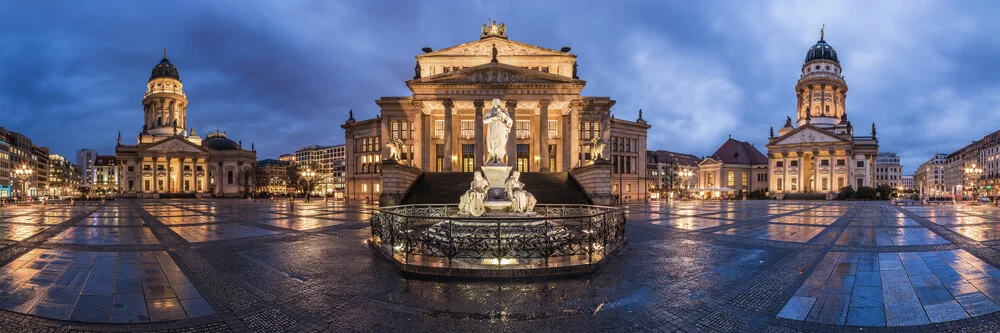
<point>595,179</point>
<point>496,175</point>
<point>396,182</point>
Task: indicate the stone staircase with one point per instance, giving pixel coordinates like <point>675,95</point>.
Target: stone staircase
<point>448,187</point>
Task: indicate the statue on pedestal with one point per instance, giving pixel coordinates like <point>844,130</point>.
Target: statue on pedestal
<point>394,148</point>
<point>472,201</point>
<point>499,123</point>
<point>597,150</point>
<point>521,201</point>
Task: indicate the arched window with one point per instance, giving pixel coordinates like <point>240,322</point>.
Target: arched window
<point>230,176</point>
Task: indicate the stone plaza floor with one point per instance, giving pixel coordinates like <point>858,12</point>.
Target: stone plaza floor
<point>233,265</point>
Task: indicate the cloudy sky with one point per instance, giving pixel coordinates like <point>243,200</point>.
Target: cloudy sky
<point>282,74</point>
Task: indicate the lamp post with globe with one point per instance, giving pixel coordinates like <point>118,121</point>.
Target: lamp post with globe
<point>974,172</point>
<point>308,175</point>
<point>24,173</point>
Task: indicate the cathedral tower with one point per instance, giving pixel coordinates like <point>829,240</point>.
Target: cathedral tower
<point>821,89</point>
<point>164,104</point>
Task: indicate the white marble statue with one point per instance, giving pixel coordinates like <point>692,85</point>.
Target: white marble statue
<point>394,148</point>
<point>472,201</point>
<point>597,150</point>
<point>499,123</point>
<point>521,201</point>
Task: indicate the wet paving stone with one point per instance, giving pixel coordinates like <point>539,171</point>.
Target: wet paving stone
<point>261,266</point>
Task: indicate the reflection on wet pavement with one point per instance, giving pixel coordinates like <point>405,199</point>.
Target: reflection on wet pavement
<point>777,232</point>
<point>896,289</point>
<point>103,287</point>
<point>214,232</point>
<point>105,236</point>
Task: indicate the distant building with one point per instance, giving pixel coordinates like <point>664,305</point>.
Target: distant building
<point>85,164</point>
<point>330,167</point>
<point>662,164</point>
<point>273,176</point>
<point>929,177</point>
<point>818,152</point>
<point>106,175</point>
<point>170,158</point>
<point>888,171</point>
<point>736,166</point>
<point>908,183</point>
<point>17,150</point>
<point>290,158</point>
<point>64,178</point>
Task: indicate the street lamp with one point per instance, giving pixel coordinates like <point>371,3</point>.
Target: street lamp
<point>974,172</point>
<point>308,174</point>
<point>24,174</point>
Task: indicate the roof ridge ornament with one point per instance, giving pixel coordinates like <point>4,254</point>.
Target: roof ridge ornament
<point>492,29</point>
<point>821,32</point>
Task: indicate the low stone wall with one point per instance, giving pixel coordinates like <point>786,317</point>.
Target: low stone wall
<point>595,179</point>
<point>396,182</point>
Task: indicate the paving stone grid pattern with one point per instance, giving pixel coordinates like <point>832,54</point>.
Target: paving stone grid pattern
<point>755,266</point>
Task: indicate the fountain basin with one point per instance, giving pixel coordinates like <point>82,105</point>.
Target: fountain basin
<point>551,240</point>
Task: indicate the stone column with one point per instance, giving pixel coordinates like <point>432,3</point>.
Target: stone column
<point>822,98</point>
<point>836,110</point>
<point>543,136</point>
<point>512,136</point>
<point>153,188</point>
<point>479,131</point>
<point>573,133</point>
<point>421,137</point>
<point>801,174</point>
<point>448,161</point>
<point>180,175</point>
<point>833,174</point>
<point>784,179</point>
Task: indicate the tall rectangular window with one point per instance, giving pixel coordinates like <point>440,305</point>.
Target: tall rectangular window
<point>394,129</point>
<point>743,181</point>
<point>523,157</point>
<point>824,182</point>
<point>553,129</point>
<point>731,179</point>
<point>468,129</point>
<point>795,184</point>
<point>469,158</point>
<point>439,129</point>
<point>523,129</point>
<point>781,184</point>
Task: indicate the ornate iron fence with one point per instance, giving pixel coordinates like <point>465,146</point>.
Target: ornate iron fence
<point>432,235</point>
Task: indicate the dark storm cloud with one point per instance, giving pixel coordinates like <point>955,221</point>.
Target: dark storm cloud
<point>283,74</point>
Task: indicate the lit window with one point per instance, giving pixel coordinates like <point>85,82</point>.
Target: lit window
<point>439,129</point>
<point>553,128</point>
<point>523,129</point>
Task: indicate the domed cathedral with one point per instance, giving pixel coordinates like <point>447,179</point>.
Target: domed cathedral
<point>171,159</point>
<point>819,152</point>
<point>439,127</point>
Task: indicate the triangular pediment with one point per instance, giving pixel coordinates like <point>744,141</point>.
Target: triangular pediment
<point>175,144</point>
<point>709,162</point>
<point>484,47</point>
<point>494,73</point>
<point>807,134</point>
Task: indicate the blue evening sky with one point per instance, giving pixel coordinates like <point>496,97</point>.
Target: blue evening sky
<point>282,74</point>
